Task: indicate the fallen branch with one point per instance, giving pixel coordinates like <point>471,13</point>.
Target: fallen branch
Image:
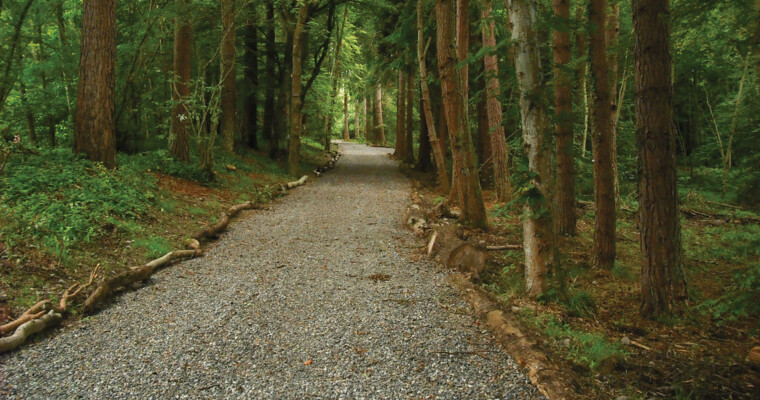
<point>291,185</point>
<point>505,247</point>
<point>29,328</point>
<point>32,313</point>
<point>213,230</point>
<point>431,243</point>
<point>68,294</point>
<point>134,275</point>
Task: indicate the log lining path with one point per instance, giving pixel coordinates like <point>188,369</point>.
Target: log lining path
<point>316,298</point>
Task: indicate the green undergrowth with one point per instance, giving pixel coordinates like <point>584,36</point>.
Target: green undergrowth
<point>61,214</point>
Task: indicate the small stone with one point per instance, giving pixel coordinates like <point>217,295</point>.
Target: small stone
<point>625,341</point>
<point>753,358</point>
<point>566,342</point>
<point>515,309</point>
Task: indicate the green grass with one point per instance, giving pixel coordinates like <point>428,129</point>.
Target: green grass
<point>154,245</point>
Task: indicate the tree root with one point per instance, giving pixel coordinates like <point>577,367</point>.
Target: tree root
<point>29,328</point>
<point>32,313</point>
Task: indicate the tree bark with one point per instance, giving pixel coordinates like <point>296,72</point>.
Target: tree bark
<point>581,73</point>
<point>283,99</point>
<point>563,106</point>
<point>267,128</point>
<point>30,120</point>
<point>603,253</point>
<point>356,119</point>
<point>295,99</point>
<point>424,163</point>
<point>367,123</point>
<point>228,121</point>
<point>252,78</point>
<point>400,113</point>
<point>335,73</point>
<point>94,122</point>
<point>179,136</point>
<point>408,132</point>
<point>612,35</point>
<point>346,134</point>
<point>438,153</point>
<point>379,136</point>
<point>663,287</point>
<point>455,106</point>
<point>539,237</point>
<point>499,149</point>
<point>462,43</point>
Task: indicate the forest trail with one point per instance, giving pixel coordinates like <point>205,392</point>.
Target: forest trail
<point>316,298</point>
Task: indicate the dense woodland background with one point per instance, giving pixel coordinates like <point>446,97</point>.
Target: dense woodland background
<point>532,102</point>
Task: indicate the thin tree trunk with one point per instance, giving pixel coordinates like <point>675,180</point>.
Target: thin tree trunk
<point>603,252</point>
<point>463,48</point>
<point>356,119</point>
<point>756,45</point>
<point>727,158</point>
<point>400,112</point>
<point>64,43</point>
<point>367,123</point>
<point>8,77</point>
<point>252,78</point>
<point>582,73</point>
<point>346,134</point>
<point>563,106</point>
<point>438,154</point>
<point>94,122</point>
<point>179,135</point>
<point>485,171</point>
<point>284,96</point>
<point>455,106</point>
<point>499,149</point>
<point>295,99</point>
<point>539,237</point>
<point>228,122</point>
<point>29,116</point>
<point>268,131</point>
<point>663,287</point>
<point>335,73</point>
<point>408,132</point>
<point>379,135</point>
<point>612,34</point>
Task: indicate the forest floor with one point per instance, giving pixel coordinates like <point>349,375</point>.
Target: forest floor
<point>595,333</point>
<point>317,296</point>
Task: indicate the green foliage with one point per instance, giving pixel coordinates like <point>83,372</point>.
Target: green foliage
<point>587,348</point>
<point>75,203</point>
<point>156,246</point>
<point>741,300</point>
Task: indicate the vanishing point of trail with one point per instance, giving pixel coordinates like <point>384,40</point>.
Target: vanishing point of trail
<point>315,298</point>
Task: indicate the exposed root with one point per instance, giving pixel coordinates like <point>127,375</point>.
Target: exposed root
<point>32,313</point>
<point>50,318</point>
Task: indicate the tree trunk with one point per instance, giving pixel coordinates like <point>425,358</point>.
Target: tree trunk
<point>295,99</point>
<point>252,78</point>
<point>346,134</point>
<point>378,137</point>
<point>756,44</point>
<point>268,131</point>
<point>612,35</point>
<point>603,253</point>
<point>539,238</point>
<point>484,143</point>
<point>400,112</point>
<point>179,136</point>
<point>228,121</point>
<point>455,106</point>
<point>499,149</point>
<point>424,163</point>
<point>462,44</point>
<point>8,76</point>
<point>581,73</point>
<point>367,123</point>
<point>663,287</point>
<point>563,105</point>
<point>438,149</point>
<point>64,53</point>
<point>356,119</point>
<point>335,73</point>
<point>408,132</point>
<point>94,123</point>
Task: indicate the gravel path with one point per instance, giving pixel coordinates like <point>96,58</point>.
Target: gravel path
<point>317,298</point>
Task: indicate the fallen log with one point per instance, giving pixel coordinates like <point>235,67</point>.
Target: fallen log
<point>291,185</point>
<point>134,275</point>
<point>505,247</point>
<point>213,230</point>
<point>415,219</point>
<point>34,312</point>
<point>29,328</point>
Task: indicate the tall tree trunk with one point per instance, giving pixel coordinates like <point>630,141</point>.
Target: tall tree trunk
<point>663,287</point>
<point>179,136</point>
<point>367,123</point>
<point>462,44</point>
<point>612,35</point>
<point>455,106</point>
<point>603,253</point>
<point>346,134</point>
<point>438,153</point>
<point>335,73</point>
<point>295,99</point>
<point>582,72</point>
<point>357,121</point>
<point>756,44</point>
<point>499,149</point>
<point>539,237</point>
<point>379,135</point>
<point>8,75</point>
<point>94,122</point>
<point>268,131</point>
<point>563,105</point>
<point>408,132</point>
<point>424,163</point>
<point>484,143</point>
<point>400,112</point>
<point>64,43</point>
<point>284,96</point>
<point>228,122</point>
<point>252,78</point>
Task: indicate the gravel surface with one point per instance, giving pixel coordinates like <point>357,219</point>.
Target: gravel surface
<point>316,298</point>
